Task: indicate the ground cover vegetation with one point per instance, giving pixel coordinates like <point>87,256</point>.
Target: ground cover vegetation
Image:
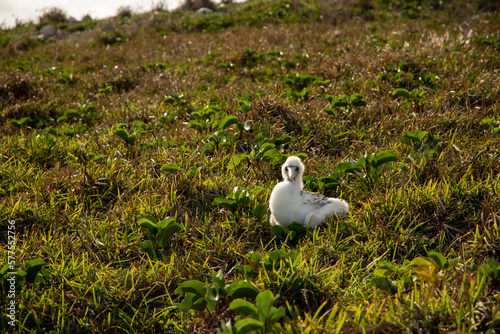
<point>138,154</point>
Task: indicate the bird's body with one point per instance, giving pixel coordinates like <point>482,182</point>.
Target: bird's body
<point>289,203</point>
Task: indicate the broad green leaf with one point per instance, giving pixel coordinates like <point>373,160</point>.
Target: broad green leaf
<point>402,92</point>
<point>244,308</point>
<point>385,284</point>
<point>4,270</point>
<point>409,138</point>
<point>163,224</point>
<point>148,247</point>
<point>32,269</point>
<point>276,314</point>
<point>139,124</point>
<point>248,325</point>
<point>192,172</point>
<point>279,232</point>
<point>170,116</point>
<point>266,147</point>
<point>62,119</point>
<point>277,255</point>
<point>423,268</point>
<point>438,258</point>
<point>339,103</point>
<point>364,160</point>
<point>330,112</point>
<point>357,100</point>
<point>146,223</point>
<point>298,228</point>
<point>420,134</point>
<point>226,203</point>
<point>346,167</point>
<point>421,261</point>
<point>228,121</point>
<point>169,100</point>
<point>72,113</point>
<point>192,286</point>
<point>196,125</point>
<point>259,210</point>
<point>243,290</point>
<point>219,278</point>
<point>192,301</point>
<point>359,103</point>
<point>170,168</point>
<point>384,157</point>
<point>265,300</point>
<point>151,218</point>
<point>270,155</point>
<point>236,160</point>
<point>211,304</point>
<point>425,273</point>
<point>490,121</point>
<point>14,123</point>
<point>387,266</point>
<point>209,148</point>
<point>168,232</point>
<point>123,134</point>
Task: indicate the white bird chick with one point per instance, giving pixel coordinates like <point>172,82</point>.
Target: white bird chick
<point>289,203</point>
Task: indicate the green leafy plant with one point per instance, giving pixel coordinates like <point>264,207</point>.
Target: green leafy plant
<point>272,261</point>
<point>128,138</point>
<point>105,91</point>
<point>328,182</point>
<point>241,201</point>
<point>70,116</point>
<point>396,76</point>
<point>393,279</point>
<point>344,102</point>
<point>34,123</point>
<point>209,118</point>
<point>199,296</point>
<point>493,124</point>
<point>267,150</point>
<point>428,148</point>
<point>158,234</point>
<point>291,234</point>
<point>170,168</point>
<point>414,96</point>
<point>66,77</point>
<point>368,167</point>
<point>157,66</point>
<point>244,105</point>
<point>301,85</point>
<point>176,99</point>
<point>28,272</point>
<point>262,317</point>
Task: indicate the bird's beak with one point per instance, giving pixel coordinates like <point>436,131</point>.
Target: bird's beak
<point>292,174</point>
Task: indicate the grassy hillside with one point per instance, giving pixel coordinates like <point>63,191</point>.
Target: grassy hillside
<point>138,154</point>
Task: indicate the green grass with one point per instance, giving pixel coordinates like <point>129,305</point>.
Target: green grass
<point>163,114</point>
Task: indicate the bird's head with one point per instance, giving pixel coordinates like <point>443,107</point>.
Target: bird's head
<point>292,169</point>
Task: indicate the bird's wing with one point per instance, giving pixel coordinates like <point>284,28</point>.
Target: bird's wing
<point>314,199</point>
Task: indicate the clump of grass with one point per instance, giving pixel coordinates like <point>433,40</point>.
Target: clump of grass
<point>194,5</point>
<point>53,15</point>
<point>124,12</point>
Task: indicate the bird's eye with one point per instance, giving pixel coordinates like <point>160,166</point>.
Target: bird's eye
<point>296,168</point>
<point>286,168</point>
